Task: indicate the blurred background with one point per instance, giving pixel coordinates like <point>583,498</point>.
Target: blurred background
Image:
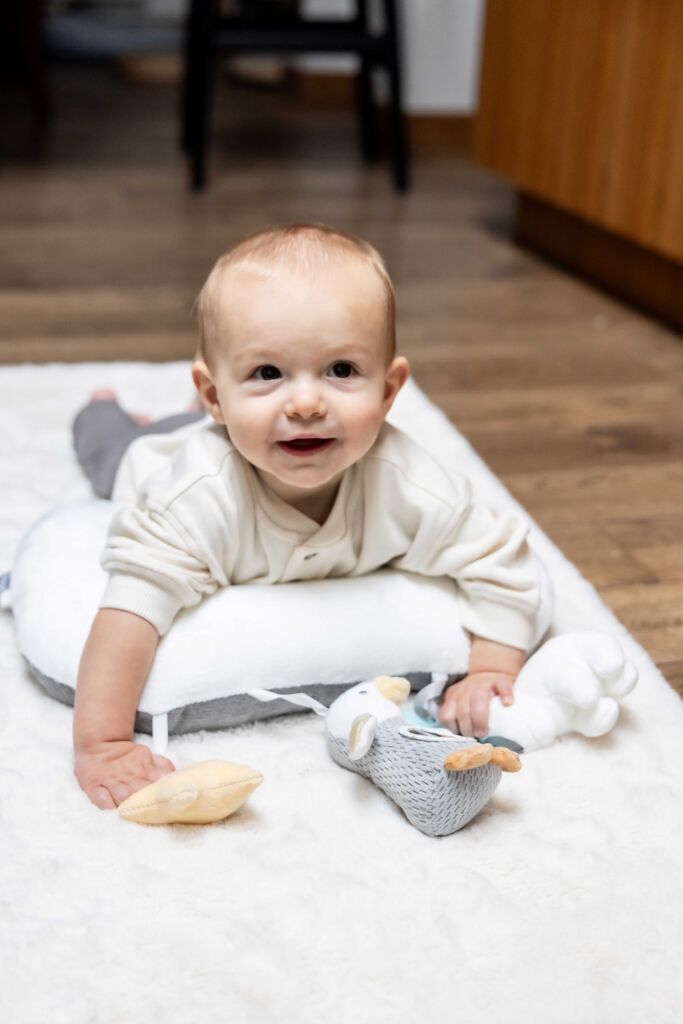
<point>519,163</point>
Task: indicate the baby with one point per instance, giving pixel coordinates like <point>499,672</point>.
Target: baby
<point>294,475</point>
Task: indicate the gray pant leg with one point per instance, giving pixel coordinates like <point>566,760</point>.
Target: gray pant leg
<point>102,432</point>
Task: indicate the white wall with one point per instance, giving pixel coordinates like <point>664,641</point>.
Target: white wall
<point>441,49</point>
<point>441,46</point>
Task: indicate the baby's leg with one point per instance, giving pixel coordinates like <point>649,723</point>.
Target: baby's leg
<point>102,432</point>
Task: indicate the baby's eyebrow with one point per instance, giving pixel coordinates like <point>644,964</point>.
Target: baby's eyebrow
<point>351,350</point>
<point>336,352</point>
<point>257,356</point>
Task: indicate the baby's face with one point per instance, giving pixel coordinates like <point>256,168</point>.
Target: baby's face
<point>301,376</point>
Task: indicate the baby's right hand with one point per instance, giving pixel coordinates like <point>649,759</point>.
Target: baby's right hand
<point>110,772</point>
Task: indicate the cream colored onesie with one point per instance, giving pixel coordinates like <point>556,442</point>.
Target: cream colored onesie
<point>196,516</point>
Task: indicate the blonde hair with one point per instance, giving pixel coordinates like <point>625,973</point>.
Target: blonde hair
<point>297,247</point>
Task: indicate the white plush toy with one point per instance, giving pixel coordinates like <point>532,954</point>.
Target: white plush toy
<point>571,684</point>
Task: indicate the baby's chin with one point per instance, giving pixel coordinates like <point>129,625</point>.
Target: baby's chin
<point>306,479</point>
<point>303,480</point>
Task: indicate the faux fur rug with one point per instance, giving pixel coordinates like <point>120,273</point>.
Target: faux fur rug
<point>318,902</point>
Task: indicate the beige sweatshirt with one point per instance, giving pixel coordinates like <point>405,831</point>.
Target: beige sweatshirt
<point>196,516</point>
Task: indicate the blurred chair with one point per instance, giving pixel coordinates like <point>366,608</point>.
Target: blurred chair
<point>276,27</point>
<point>22,51</point>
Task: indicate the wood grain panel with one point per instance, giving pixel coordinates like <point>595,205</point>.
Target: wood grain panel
<point>581,104</point>
<point>631,271</point>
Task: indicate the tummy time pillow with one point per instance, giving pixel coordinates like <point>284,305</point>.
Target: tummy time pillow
<point>318,636</point>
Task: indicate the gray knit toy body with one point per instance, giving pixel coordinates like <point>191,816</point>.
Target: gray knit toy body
<point>410,771</point>
<point>439,780</point>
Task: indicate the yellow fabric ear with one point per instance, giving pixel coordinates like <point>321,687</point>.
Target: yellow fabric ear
<point>197,795</point>
<point>395,688</point>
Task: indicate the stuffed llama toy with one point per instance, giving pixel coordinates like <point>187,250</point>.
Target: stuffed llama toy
<point>439,780</point>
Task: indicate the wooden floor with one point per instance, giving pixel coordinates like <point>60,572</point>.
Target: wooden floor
<point>575,401</point>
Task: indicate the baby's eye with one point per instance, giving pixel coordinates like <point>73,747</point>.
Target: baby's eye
<point>268,372</point>
<point>342,370</point>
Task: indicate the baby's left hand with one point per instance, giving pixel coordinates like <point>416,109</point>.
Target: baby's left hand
<point>465,705</point>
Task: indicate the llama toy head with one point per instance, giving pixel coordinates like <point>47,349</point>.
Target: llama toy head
<point>353,717</point>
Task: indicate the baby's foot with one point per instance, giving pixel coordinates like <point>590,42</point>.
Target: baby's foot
<point>107,395</point>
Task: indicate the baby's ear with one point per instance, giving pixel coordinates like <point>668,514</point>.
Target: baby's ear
<point>206,389</point>
<point>396,376</point>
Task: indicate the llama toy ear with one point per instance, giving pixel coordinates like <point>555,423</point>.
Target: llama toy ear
<point>361,736</point>
<point>394,688</point>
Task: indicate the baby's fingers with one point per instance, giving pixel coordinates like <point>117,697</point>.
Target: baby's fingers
<point>448,716</point>
<point>465,712</point>
<point>455,712</point>
<point>122,790</point>
<point>478,715</point>
<point>100,797</point>
<point>154,773</point>
<point>504,688</point>
<point>162,763</point>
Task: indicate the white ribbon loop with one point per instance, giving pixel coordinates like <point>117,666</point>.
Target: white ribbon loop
<point>302,700</point>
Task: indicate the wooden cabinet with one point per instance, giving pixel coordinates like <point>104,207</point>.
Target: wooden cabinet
<point>581,107</point>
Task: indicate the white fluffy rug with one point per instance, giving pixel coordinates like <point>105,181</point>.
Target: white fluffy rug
<point>318,902</point>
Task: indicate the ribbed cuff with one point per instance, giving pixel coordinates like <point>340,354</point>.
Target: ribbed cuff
<point>143,598</point>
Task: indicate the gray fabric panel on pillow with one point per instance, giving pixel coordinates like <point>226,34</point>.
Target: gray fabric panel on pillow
<point>224,712</point>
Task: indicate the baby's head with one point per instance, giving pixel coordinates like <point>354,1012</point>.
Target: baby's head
<point>297,344</point>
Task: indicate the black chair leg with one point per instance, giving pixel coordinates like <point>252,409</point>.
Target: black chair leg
<point>197,89</point>
<point>200,122</point>
<point>399,141</point>
<point>367,113</point>
<point>186,103</point>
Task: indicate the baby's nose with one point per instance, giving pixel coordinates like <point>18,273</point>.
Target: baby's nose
<point>306,401</point>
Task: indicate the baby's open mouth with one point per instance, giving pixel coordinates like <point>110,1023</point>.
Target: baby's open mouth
<point>306,445</point>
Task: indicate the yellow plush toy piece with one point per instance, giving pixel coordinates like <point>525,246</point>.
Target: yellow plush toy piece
<point>197,795</point>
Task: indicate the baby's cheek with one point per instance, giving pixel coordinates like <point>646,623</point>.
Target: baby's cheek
<point>365,417</point>
<point>247,426</point>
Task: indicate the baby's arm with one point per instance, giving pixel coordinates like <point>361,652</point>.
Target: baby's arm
<point>114,665</point>
<point>492,671</point>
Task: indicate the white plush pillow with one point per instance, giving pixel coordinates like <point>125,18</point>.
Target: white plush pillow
<point>319,636</point>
